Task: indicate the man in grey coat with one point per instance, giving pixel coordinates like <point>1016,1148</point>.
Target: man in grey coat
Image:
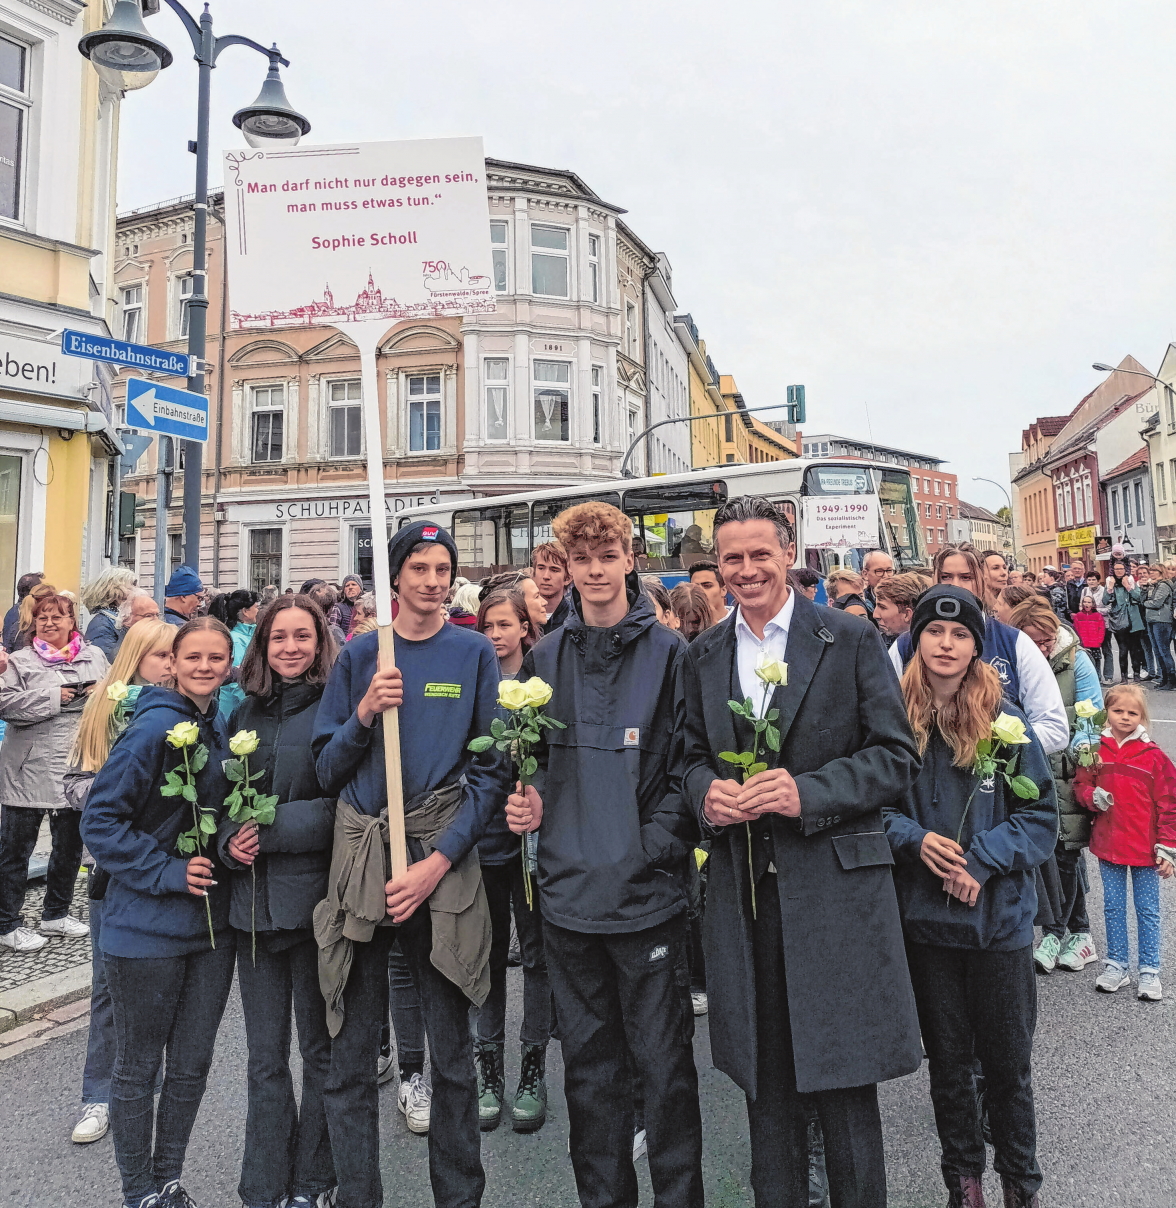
<point>807,976</point>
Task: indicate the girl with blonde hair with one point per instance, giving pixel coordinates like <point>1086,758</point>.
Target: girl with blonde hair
<point>143,658</point>
<point>965,846</point>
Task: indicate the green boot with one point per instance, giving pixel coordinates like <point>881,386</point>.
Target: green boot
<point>529,1110</point>
<point>491,1084</point>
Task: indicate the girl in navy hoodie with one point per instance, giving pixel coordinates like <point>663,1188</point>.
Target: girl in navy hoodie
<point>965,849</point>
<point>167,946</point>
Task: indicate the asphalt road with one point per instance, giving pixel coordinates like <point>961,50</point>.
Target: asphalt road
<point>1104,1076</point>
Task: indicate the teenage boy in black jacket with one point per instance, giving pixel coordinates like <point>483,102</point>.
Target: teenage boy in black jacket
<point>614,833</point>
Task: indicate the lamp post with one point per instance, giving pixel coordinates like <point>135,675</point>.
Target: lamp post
<point>128,58</point>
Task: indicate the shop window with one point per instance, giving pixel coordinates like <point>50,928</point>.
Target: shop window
<point>265,558</point>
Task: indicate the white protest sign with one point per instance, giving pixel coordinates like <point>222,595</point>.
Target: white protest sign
<point>841,522</point>
<point>361,236</point>
<point>358,232</point>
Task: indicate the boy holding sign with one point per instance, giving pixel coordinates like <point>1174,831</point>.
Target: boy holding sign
<point>445,685</point>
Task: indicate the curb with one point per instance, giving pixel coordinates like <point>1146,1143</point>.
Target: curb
<point>23,1003</point>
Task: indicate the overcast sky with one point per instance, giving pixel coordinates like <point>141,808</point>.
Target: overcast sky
<point>943,212</point>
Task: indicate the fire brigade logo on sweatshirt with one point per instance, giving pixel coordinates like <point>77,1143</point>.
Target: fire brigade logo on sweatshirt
<point>445,691</point>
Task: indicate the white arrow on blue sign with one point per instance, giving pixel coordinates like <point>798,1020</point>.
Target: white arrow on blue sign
<point>165,411</point>
<point>120,352</point>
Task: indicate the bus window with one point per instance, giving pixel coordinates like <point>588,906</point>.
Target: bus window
<point>491,538</point>
<point>672,525</point>
<point>900,519</point>
<point>544,511</point>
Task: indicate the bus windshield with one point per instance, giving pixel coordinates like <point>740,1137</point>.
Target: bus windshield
<point>900,519</point>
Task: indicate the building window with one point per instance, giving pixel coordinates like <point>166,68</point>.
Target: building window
<point>947,488</point>
<point>915,485</point>
<point>1161,485</point>
<point>1138,501</point>
<point>553,398</point>
<point>268,417</point>
<point>949,513</point>
<point>175,550</point>
<point>549,264</point>
<point>498,251</point>
<point>1069,504</point>
<point>930,536</point>
<point>631,331</point>
<point>939,511</point>
<point>729,429</point>
<point>926,486</point>
<point>496,370</point>
<point>1088,495</point>
<point>1079,509</point>
<point>927,506</point>
<point>1115,509</point>
<point>1170,404</point>
<point>346,419</point>
<point>132,313</point>
<point>265,558</point>
<point>937,486</point>
<point>184,287</point>
<point>424,413</point>
<point>15,102</point>
<point>941,536</point>
<point>594,268</point>
<point>597,374</point>
<point>1172,475</point>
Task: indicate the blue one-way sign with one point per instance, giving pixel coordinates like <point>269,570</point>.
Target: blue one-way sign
<point>166,411</point>
<point>119,352</point>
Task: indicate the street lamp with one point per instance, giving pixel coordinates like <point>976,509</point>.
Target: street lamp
<point>127,57</point>
<point>1000,488</point>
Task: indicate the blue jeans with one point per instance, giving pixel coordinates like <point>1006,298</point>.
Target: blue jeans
<point>1145,889</point>
<point>172,1003</point>
<point>1161,640</point>
<point>1149,657</point>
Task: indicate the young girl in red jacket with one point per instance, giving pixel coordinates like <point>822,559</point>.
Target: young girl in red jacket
<point>1091,627</point>
<point>1131,789</point>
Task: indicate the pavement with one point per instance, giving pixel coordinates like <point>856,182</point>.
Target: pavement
<point>1103,1082</point>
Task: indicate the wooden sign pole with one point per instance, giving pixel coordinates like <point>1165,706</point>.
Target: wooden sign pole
<point>367,336</point>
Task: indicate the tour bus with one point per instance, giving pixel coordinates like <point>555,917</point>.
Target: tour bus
<point>840,510</point>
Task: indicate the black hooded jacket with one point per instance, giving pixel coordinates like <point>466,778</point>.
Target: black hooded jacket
<point>615,827</point>
<point>295,856</point>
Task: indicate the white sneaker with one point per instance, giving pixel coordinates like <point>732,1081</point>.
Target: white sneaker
<point>415,1100</point>
<point>385,1068</point>
<point>1149,986</point>
<point>93,1126</point>
<point>23,939</point>
<point>71,928</point>
<point>640,1147</point>
<point>1113,977</point>
<point>699,1001</point>
<point>1077,952</point>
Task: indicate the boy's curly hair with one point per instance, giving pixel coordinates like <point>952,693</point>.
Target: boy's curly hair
<point>591,524</point>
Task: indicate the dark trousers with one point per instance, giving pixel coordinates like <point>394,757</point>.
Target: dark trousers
<point>1161,642</point>
<point>695,905</point>
<point>287,1149</point>
<point>1095,654</point>
<point>1108,657</point>
<point>19,827</point>
<point>977,1004</point>
<point>352,1098</point>
<point>632,987</point>
<point>100,1046</point>
<point>407,1020</point>
<point>778,1115</point>
<point>1069,912</point>
<point>171,1004</point>
<point>1130,644</point>
<point>504,885</point>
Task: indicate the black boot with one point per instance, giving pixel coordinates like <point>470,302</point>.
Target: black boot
<point>529,1110</point>
<point>965,1191</point>
<point>1016,1196</point>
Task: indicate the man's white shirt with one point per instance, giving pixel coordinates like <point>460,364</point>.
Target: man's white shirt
<point>749,648</point>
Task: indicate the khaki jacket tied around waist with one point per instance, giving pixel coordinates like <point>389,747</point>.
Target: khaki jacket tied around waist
<point>355,904</point>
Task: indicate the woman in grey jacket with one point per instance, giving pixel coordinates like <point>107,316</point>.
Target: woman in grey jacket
<point>42,694</point>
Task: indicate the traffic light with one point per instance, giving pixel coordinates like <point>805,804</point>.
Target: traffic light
<point>796,404</point>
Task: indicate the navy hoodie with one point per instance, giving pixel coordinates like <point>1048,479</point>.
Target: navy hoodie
<point>615,827</point>
<point>1004,838</point>
<point>131,831</point>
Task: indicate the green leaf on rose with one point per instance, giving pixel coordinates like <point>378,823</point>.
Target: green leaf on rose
<point>530,766</point>
<point>772,738</point>
<point>496,728</point>
<point>198,758</point>
<point>550,721</point>
<point>234,771</point>
<point>478,745</point>
<point>737,708</point>
<point>1025,788</point>
<point>208,824</point>
<point>772,715</point>
<point>189,793</point>
<point>755,769</point>
<point>502,744</point>
<point>730,757</point>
